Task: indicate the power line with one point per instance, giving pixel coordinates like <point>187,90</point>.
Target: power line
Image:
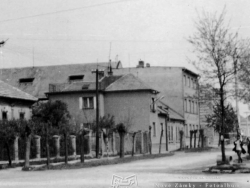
<point>62,11</point>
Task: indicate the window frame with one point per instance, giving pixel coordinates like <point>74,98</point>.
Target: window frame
<point>89,105</point>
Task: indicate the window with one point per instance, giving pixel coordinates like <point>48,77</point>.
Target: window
<point>21,115</point>
<point>186,130</point>
<point>172,133</point>
<point>188,81</point>
<point>76,78</point>
<point>177,134</point>
<point>192,83</point>
<point>4,115</point>
<point>26,81</point>
<point>162,128</point>
<point>154,129</point>
<point>86,103</point>
<point>190,104</point>
<point>185,80</point>
<point>197,108</point>
<point>153,104</point>
<point>185,105</point>
<point>193,106</point>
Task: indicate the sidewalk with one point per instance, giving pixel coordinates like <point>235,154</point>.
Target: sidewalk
<point>72,160</point>
<point>234,166</point>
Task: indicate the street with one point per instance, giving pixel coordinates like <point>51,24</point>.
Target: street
<point>181,167</point>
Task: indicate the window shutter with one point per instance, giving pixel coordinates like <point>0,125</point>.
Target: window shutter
<point>80,103</point>
<point>94,100</point>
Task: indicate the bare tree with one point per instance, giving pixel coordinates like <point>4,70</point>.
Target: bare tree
<point>217,49</point>
<point>126,122</point>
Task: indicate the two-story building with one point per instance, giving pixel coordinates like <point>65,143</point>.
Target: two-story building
<point>14,103</point>
<point>127,98</point>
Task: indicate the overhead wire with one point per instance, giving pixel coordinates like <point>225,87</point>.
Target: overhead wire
<point>62,11</point>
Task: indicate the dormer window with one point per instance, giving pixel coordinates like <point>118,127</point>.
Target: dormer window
<point>26,81</point>
<point>76,78</point>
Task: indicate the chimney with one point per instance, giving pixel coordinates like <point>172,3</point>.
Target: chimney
<point>141,64</point>
<point>147,65</point>
<point>110,71</point>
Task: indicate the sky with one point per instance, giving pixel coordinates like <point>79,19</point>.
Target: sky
<point>54,32</point>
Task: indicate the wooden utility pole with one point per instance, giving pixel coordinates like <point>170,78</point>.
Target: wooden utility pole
<point>97,110</point>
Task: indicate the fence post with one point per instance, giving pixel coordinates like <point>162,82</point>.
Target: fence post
<point>90,142</point>
<point>57,145</point>
<point>73,142</point>
<point>16,156</point>
<point>38,146</point>
<point>142,143</point>
<point>113,143</point>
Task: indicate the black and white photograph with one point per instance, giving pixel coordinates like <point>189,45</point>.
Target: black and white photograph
<point>125,94</point>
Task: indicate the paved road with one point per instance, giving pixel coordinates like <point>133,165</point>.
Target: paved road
<point>186,167</point>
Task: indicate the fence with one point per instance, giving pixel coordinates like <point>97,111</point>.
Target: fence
<point>57,146</point>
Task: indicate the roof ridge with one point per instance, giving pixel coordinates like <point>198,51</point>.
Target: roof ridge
<point>115,81</point>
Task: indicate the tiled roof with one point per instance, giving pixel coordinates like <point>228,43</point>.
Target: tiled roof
<point>128,83</point>
<point>9,91</point>
<point>45,75</point>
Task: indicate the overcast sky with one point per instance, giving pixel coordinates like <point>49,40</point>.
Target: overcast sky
<point>52,32</point>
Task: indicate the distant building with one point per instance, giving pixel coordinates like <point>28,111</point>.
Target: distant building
<point>245,125</point>
<point>14,103</point>
<point>208,97</point>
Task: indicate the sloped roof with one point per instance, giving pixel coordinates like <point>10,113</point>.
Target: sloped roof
<point>128,82</point>
<point>172,113</point>
<point>8,91</point>
<point>45,75</point>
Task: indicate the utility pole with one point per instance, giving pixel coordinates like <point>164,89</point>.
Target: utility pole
<point>97,110</point>
<point>236,90</point>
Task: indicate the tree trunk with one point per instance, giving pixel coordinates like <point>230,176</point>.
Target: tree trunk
<point>66,148</point>
<point>202,138</point>
<point>191,136</point>
<point>219,142</point>
<point>195,139</point>
<point>82,147</point>
<point>8,153</point>
<point>181,137</point>
<point>199,138</point>
<point>150,141</point>
<point>223,155</point>
<point>133,143</point>
<point>122,145</point>
<point>47,145</point>
<point>161,138</point>
<point>27,151</point>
